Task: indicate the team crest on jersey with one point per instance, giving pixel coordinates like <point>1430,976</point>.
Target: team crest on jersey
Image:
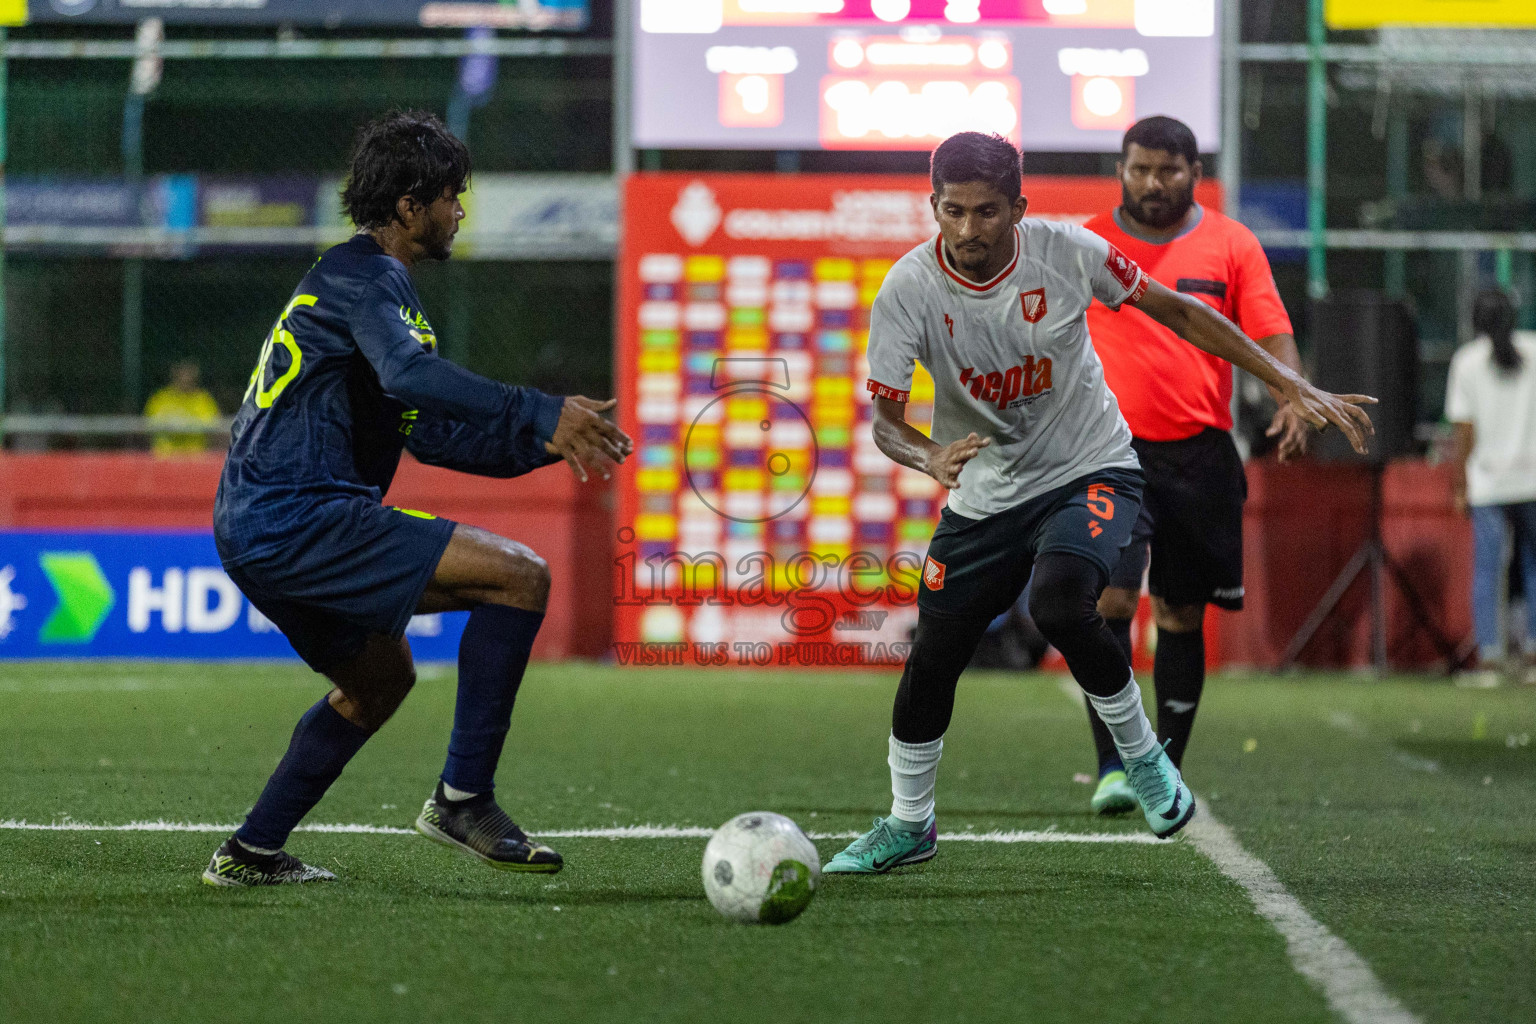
<point>933,574</point>
<point>1033,302</point>
<point>1123,267</point>
<point>418,327</point>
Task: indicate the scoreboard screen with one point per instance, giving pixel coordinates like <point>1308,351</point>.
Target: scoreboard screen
<point>1055,75</point>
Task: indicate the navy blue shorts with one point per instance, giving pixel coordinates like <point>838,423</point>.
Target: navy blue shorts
<point>357,568</point>
<point>976,568</point>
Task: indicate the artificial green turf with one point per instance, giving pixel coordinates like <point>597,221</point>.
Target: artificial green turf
<point>114,926</point>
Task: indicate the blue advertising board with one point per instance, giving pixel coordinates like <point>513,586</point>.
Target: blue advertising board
<point>160,201</point>
<point>533,15</point>
<point>146,595</point>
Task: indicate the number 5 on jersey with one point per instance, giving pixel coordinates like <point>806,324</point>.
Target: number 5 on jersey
<point>265,396</point>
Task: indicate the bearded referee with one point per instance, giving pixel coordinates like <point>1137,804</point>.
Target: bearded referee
<point>348,378</point>
<point>1177,401</point>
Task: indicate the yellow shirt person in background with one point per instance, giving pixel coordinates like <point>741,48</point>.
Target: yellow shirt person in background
<point>182,400</point>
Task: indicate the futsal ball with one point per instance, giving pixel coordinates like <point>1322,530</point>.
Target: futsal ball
<point>759,867</point>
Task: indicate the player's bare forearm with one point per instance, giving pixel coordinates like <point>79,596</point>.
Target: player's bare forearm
<point>904,444</point>
<point>1286,425</point>
<point>1283,348</point>
<point>1462,437</point>
<point>1211,332</point>
<point>901,442</point>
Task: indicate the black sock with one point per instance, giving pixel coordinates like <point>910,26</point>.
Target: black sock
<point>1178,672</point>
<point>1103,742</point>
<point>323,742</point>
<point>925,700</point>
<point>493,653</point>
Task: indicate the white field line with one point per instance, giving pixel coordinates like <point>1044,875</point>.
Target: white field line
<point>623,832</point>
<point>1347,982</point>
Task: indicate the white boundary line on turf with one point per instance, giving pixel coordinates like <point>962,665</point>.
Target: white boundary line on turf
<point>623,832</point>
<point>1347,982</point>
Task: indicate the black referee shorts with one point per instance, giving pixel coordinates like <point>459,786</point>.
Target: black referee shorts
<point>1191,522</point>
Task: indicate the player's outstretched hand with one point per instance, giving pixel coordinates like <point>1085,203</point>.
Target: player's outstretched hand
<point>1291,429</point>
<point>944,465</point>
<point>584,438</point>
<point>1321,408</point>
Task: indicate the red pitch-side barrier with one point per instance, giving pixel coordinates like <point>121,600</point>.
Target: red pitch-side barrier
<point>1302,523</point>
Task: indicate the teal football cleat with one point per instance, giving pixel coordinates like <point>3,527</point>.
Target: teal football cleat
<point>885,847</point>
<point>1114,795</point>
<point>1165,800</point>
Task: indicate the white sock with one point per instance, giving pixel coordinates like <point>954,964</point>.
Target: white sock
<point>914,771</point>
<point>1126,720</point>
<point>456,794</point>
<point>257,849</point>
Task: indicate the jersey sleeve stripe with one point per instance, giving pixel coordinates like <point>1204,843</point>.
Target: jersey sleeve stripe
<point>1140,289</point>
<point>886,391</point>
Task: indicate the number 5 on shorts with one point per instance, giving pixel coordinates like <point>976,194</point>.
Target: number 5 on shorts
<point>1099,502</point>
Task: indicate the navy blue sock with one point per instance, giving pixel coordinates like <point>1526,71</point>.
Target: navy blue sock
<point>323,742</point>
<point>492,656</point>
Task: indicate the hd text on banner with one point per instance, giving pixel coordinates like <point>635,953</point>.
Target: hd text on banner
<point>146,595</point>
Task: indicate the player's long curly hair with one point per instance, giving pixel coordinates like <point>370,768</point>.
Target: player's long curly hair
<point>972,156</point>
<point>404,153</point>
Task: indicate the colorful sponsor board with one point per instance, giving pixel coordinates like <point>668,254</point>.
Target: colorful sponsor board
<point>906,74</point>
<point>757,512</point>
<point>146,595</point>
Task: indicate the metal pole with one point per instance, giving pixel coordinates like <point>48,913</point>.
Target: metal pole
<point>1317,151</point>
<point>1504,268</point>
<point>623,144</point>
<point>133,267</point>
<point>1232,107</point>
<point>1472,189</point>
<point>1395,261</point>
<point>4,74</point>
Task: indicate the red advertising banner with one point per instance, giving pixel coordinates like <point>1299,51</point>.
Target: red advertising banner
<point>758,523</point>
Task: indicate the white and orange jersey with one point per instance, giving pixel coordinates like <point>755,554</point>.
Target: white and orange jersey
<point>1010,358</point>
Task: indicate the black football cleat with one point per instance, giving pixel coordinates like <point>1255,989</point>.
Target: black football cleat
<point>234,865</point>
<point>480,828</point>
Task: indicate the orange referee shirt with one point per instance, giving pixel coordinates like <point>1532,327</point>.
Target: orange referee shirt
<point>1167,388</point>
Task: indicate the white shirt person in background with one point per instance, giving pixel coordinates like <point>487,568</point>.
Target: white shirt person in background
<point>1490,401</point>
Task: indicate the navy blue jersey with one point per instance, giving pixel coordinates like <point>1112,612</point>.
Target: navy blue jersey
<point>348,378</point>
